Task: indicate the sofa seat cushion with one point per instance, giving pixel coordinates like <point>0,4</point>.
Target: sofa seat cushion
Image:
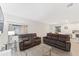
<point>63,39</point>
<point>60,43</point>
<point>27,42</point>
<point>54,38</point>
<point>37,38</point>
<point>48,37</point>
<point>25,39</point>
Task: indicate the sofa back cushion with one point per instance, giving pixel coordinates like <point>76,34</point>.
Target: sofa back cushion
<point>49,34</point>
<point>27,37</point>
<point>32,35</point>
<point>23,37</point>
<point>52,35</point>
<point>63,37</point>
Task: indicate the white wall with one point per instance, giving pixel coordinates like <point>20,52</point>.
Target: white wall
<point>33,27</point>
<point>71,26</point>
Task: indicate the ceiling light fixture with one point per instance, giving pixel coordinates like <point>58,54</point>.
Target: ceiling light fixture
<point>70,5</point>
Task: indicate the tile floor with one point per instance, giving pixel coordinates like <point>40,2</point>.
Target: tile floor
<point>39,50</point>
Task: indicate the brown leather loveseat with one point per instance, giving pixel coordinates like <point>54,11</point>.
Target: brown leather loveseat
<point>28,40</point>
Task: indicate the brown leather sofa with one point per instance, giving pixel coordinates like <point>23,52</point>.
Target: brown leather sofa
<point>60,41</point>
<point>28,40</point>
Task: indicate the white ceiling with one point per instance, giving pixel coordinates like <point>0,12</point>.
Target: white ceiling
<point>47,12</point>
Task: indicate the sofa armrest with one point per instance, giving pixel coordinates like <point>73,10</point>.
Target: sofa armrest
<point>25,40</point>
<point>67,41</point>
<point>37,37</point>
<point>45,37</point>
<point>22,42</point>
<point>68,45</point>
